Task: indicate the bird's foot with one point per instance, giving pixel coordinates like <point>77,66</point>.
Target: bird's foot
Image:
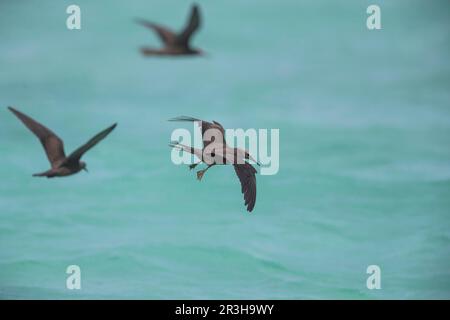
<point>192,166</point>
<point>200,174</point>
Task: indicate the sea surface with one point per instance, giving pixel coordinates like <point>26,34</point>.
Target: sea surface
<point>364,179</point>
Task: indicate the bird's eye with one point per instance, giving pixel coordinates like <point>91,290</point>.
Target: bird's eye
<point>213,154</point>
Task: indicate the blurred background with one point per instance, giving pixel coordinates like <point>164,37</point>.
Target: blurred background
<point>364,119</point>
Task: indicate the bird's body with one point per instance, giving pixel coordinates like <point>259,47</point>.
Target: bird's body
<point>175,44</point>
<point>61,165</point>
<point>216,152</point>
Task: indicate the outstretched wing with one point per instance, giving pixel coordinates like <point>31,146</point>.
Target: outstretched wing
<point>205,126</point>
<point>191,27</point>
<point>247,176</point>
<point>53,145</point>
<point>75,156</point>
<point>167,36</point>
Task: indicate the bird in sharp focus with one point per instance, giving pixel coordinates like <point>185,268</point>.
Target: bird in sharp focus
<point>61,165</point>
<point>215,151</point>
<point>174,44</point>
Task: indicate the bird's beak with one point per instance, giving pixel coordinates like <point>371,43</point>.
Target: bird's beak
<point>85,169</point>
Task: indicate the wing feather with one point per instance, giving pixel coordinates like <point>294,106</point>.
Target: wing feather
<point>167,36</point>
<point>191,27</point>
<point>78,153</point>
<point>53,145</point>
<point>247,176</point>
<point>205,126</point>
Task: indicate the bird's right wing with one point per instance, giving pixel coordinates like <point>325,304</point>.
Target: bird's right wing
<point>53,145</point>
<point>77,154</point>
<point>167,36</point>
<point>191,27</point>
<point>247,176</point>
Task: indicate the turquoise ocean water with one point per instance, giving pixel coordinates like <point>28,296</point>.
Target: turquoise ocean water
<point>364,119</point>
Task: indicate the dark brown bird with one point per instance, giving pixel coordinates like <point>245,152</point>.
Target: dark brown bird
<point>175,44</point>
<point>54,148</point>
<point>216,151</point>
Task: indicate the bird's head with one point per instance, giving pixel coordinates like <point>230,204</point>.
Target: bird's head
<point>83,166</point>
<point>249,157</point>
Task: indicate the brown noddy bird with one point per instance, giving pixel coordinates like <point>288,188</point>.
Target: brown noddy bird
<point>215,151</point>
<point>54,148</point>
<point>175,44</point>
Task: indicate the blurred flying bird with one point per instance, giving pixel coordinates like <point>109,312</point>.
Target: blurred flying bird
<point>216,152</point>
<point>54,148</point>
<point>175,44</point>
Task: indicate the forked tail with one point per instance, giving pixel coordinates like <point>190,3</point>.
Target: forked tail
<point>179,146</point>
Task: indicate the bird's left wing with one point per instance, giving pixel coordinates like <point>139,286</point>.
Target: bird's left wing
<point>247,176</point>
<point>191,27</point>
<point>77,154</point>
<point>53,145</point>
<point>205,126</point>
<point>167,36</point>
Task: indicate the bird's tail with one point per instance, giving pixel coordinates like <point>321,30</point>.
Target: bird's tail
<point>195,151</point>
<point>184,119</point>
<point>174,144</point>
<point>177,145</point>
